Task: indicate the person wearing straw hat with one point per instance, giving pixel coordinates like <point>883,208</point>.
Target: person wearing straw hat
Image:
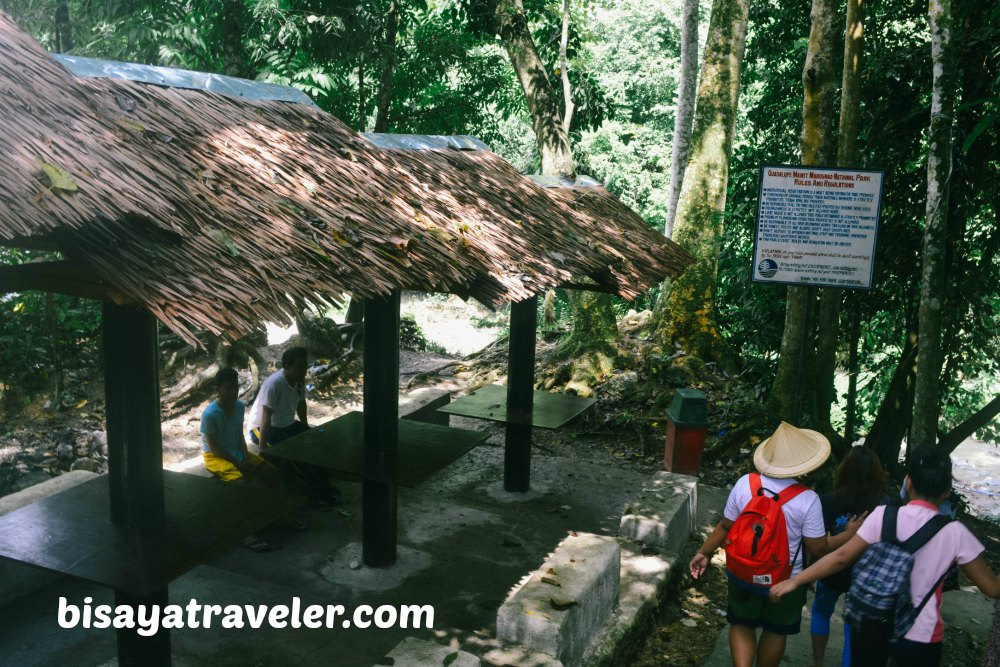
<point>790,452</point>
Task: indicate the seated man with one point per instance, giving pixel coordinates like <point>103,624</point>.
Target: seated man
<point>225,450</point>
<point>282,397</point>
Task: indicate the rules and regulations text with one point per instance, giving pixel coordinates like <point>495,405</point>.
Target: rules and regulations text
<point>817,226</point>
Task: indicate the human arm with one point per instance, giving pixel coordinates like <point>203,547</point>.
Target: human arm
<point>699,563</point>
<point>824,567</point>
<point>300,410</point>
<point>265,428</point>
<point>982,576</point>
<point>834,542</point>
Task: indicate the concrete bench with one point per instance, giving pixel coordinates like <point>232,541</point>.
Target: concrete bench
<point>564,605</point>
<point>18,579</point>
<point>662,512</point>
<point>413,652</point>
<point>422,405</point>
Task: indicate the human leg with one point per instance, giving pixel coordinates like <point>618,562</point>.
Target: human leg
<point>819,627</point>
<point>745,615</point>
<point>870,644</point>
<point>780,619</point>
<point>908,653</point>
<point>770,649</point>
<point>742,645</point>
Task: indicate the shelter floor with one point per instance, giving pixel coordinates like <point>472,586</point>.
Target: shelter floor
<point>463,543</point>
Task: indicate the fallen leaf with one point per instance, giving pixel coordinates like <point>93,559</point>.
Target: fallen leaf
<point>80,404</point>
<point>59,178</point>
<point>450,658</point>
<point>344,513</point>
<point>552,581</point>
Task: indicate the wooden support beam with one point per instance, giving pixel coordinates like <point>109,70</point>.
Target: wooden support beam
<point>381,436</point>
<point>520,390</point>
<point>60,277</point>
<point>135,454</point>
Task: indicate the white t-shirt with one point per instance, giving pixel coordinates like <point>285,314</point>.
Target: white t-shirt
<point>952,544</point>
<point>803,513</point>
<point>281,397</point>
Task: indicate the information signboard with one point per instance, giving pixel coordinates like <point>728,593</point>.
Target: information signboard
<point>816,226</point>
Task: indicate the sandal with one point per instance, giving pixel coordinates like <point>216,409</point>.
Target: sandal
<point>259,546</point>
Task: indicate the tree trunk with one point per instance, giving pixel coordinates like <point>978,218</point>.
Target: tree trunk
<point>553,143</point>
<point>568,106</point>
<point>688,316</point>
<point>57,365</point>
<point>362,102</point>
<point>235,18</point>
<point>825,367</point>
<point>967,429</point>
<point>686,90</point>
<point>388,65</point>
<point>893,418</point>
<point>817,144</point>
<point>850,426</point>
<point>927,393</point>
<point>64,29</point>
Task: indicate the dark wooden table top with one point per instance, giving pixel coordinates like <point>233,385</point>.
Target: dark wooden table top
<point>71,532</point>
<point>338,444</point>
<point>548,410</point>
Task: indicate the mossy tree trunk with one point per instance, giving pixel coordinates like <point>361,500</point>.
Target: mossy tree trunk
<point>688,314</point>
<point>817,148</point>
<point>591,342</point>
<point>927,392</point>
<point>546,119</point>
<point>686,88</point>
<point>825,366</point>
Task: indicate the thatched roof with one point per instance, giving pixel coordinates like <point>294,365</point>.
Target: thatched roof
<point>218,213</point>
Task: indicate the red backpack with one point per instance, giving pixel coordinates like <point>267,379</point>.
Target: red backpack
<point>757,544</point>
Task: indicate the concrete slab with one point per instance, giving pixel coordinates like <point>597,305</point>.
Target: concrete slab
<point>413,652</point>
<point>17,579</point>
<point>663,511</point>
<point>563,605</point>
<point>479,542</point>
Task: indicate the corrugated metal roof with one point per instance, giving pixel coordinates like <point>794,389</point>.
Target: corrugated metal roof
<point>182,78</point>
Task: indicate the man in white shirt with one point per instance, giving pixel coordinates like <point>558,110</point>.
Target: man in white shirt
<point>281,399</point>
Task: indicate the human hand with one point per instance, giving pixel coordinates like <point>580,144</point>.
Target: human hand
<point>854,523</point>
<point>698,565</point>
<point>781,588</point>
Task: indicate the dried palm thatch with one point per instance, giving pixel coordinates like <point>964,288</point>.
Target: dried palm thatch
<point>218,213</point>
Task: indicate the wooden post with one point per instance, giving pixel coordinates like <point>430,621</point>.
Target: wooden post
<point>135,453</point>
<point>520,391</point>
<point>381,407</point>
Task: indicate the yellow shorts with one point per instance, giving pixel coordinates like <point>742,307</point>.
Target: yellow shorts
<point>225,470</point>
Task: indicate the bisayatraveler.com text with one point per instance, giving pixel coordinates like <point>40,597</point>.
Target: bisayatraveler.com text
<point>147,620</point>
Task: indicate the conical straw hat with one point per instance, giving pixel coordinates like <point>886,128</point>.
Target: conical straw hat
<point>791,452</point>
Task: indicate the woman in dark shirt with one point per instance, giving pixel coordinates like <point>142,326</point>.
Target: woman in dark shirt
<point>860,488</point>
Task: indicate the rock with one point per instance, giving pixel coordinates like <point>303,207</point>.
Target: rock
<point>65,452</point>
<point>355,564</point>
<point>84,464</point>
<point>99,442</point>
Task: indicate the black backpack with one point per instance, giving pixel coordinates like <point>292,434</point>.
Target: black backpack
<point>880,588</point>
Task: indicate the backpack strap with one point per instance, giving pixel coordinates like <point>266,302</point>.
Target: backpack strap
<point>923,603</point>
<point>755,485</point>
<point>787,494</point>
<point>889,524</point>
<point>926,532</point>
